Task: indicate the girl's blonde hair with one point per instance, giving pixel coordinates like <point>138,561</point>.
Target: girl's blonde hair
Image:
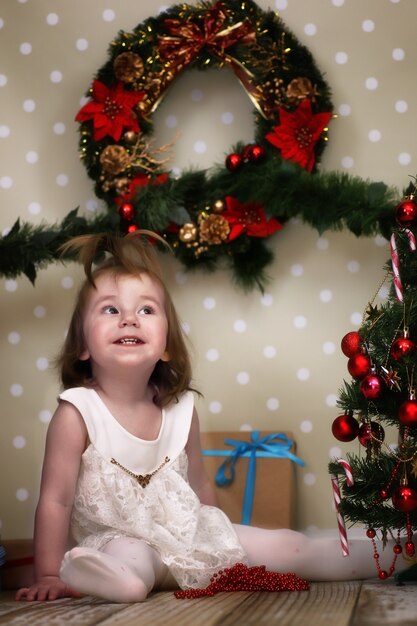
<point>129,255</point>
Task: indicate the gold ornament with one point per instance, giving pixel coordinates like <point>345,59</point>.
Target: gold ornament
<point>188,233</point>
<point>114,159</point>
<point>218,206</point>
<point>128,67</point>
<point>301,88</point>
<point>130,137</point>
<point>214,229</point>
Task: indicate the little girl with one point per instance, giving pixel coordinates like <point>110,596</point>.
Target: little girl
<point>123,477</point>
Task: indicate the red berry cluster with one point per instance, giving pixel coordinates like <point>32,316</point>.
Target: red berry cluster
<point>240,577</point>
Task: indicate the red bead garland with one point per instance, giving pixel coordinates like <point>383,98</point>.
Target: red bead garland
<point>240,577</point>
<point>397,549</point>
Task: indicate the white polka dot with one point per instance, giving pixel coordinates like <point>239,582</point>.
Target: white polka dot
<point>19,442</point>
<point>55,76</point>
<point>4,132</point>
<point>347,162</point>
<point>6,182</point>
<point>67,282</point>
<point>81,44</point>
<point>176,171</point>
<point>341,58</point>
<point>22,495</point>
<point>281,5</point>
<point>3,80</point>
<point>335,452</point>
<point>371,83</point>
<point>269,352</point>
<point>25,48</point>
<point>108,15</point>
<point>186,328</point>
<point>401,106</point>
<point>297,270</point>
<point>344,110</point>
<point>404,158</point>
<point>39,311</point>
<point>310,29</point>
<point>212,355</point>
<point>62,180</point>
<point>303,374</point>
<point>329,347</point>
<point>398,54</point>
<point>16,390</point>
<point>374,135</point>
<point>29,106</point>
<point>200,147</point>
<point>1,22</point>
<point>338,3</point>
<point>267,299</point>
<point>306,426</point>
<point>272,404</point>
<point>309,479</point>
<point>239,326</point>
<point>34,208</point>
<point>356,318</point>
<point>45,416</point>
<point>383,293</point>
<point>52,19</point>
<point>322,243</point>
<point>59,128</point>
<point>196,95</point>
<point>13,337</point>
<point>380,241</point>
<point>209,304</point>
<point>171,121</point>
<point>246,428</point>
<point>32,157</point>
<point>326,295</point>
<point>331,400</point>
<point>227,118</point>
<point>10,285</point>
<point>300,322</point>
<point>181,277</point>
<point>368,26</point>
<point>215,407</point>
<point>91,205</point>
<point>242,378</point>
<point>353,267</point>
<point>42,364</point>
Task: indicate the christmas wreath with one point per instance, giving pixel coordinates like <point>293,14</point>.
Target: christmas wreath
<point>228,212</point>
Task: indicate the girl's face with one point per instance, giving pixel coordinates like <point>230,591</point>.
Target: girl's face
<point>125,324</point>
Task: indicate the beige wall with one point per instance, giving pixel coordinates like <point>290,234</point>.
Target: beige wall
<point>269,362</point>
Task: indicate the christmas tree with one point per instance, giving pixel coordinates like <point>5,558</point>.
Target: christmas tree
<point>377,487</point>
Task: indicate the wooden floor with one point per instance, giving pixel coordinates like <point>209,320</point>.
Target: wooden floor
<point>325,604</point>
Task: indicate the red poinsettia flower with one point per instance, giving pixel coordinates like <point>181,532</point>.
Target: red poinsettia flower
<point>298,133</point>
<point>249,218</point>
<point>110,110</point>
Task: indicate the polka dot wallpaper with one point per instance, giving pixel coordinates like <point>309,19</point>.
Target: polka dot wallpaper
<point>270,361</point>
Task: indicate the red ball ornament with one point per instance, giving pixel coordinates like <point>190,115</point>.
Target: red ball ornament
<point>406,212</point>
<point>397,549</point>
<point>127,211</point>
<point>407,412</point>
<point>367,431</point>
<point>253,152</point>
<point>359,365</point>
<point>351,344</point>
<point>132,228</point>
<point>402,347</point>
<point>372,386</point>
<point>409,548</point>
<point>371,533</point>
<point>382,574</point>
<point>345,428</point>
<point>404,499</point>
<point>234,162</point>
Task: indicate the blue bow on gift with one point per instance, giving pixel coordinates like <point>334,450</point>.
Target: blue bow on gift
<point>274,446</point>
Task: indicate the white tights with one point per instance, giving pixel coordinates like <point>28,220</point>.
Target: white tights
<point>127,569</point>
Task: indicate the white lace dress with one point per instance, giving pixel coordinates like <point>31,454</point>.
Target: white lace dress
<point>194,540</point>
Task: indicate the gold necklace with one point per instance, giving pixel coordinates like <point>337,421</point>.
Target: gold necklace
<point>143,479</point>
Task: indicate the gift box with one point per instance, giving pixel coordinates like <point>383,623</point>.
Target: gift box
<point>17,569</point>
<point>253,474</point>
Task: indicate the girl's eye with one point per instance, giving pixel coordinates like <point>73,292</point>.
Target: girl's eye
<point>146,310</point>
<point>111,310</point>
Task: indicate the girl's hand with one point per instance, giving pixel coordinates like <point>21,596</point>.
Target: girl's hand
<point>46,588</point>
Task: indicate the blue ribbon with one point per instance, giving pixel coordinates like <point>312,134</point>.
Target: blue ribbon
<point>274,446</point>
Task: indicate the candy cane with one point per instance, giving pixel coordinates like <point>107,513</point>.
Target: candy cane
<point>348,471</point>
<point>395,261</point>
<point>337,500</point>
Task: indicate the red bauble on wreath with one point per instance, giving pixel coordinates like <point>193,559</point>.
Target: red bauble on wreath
<point>127,211</point>
<point>351,344</point>
<point>345,427</point>
<point>234,162</point>
<point>359,365</point>
<point>406,212</point>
